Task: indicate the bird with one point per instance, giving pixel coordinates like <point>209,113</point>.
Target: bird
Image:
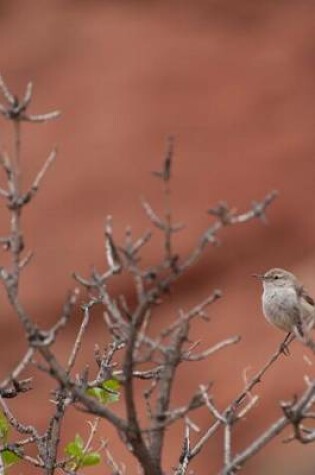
<point>285,302</point>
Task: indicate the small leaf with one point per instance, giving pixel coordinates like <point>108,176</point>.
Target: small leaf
<point>92,458</point>
<point>79,441</point>
<point>9,457</point>
<point>95,392</point>
<point>4,428</point>
<point>75,448</point>
<point>109,398</point>
<point>111,384</point>
<point>106,394</point>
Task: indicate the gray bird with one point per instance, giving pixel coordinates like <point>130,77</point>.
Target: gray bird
<point>285,302</point>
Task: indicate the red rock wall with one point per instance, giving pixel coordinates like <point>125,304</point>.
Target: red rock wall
<point>234,82</point>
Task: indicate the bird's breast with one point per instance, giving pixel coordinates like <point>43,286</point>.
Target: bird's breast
<point>278,305</point>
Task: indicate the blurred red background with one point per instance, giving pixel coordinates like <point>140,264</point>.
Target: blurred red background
<point>234,83</point>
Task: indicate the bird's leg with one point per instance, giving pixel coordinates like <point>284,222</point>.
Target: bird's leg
<point>284,346</point>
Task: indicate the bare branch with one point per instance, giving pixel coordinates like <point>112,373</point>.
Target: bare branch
<point>213,349</point>
<point>78,342</point>
<point>271,432</point>
<point>6,93</point>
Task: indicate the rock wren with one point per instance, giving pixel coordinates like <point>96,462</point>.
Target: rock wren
<point>285,302</point>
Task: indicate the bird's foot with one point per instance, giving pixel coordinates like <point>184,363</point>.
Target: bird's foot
<point>284,347</point>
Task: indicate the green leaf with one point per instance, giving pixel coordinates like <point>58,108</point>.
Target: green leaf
<point>4,428</point>
<point>79,441</point>
<point>9,457</point>
<point>75,448</point>
<point>107,393</point>
<point>111,397</point>
<point>112,387</point>
<point>92,458</point>
<point>96,392</point>
<point>111,384</point>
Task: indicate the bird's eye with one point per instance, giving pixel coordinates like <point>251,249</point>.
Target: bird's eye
<point>276,277</point>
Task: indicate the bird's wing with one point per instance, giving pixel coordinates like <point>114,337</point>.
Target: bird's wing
<point>297,318</point>
<point>308,298</point>
<point>307,304</point>
<point>302,293</point>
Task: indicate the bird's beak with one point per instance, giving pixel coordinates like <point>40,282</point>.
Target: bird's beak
<point>258,276</point>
